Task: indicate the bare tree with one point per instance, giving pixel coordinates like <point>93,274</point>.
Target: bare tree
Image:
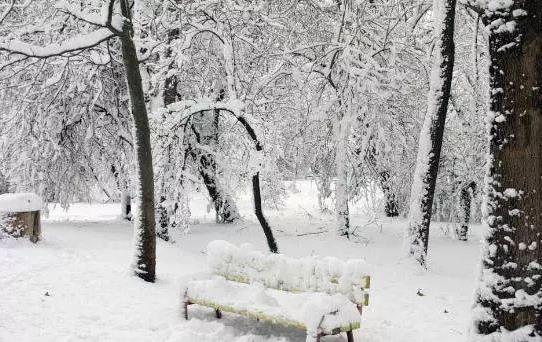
<point>431,136</point>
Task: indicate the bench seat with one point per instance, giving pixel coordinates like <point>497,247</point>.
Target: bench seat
<point>311,311</point>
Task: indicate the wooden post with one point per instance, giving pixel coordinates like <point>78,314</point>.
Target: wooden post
<point>27,223</point>
<point>20,215</point>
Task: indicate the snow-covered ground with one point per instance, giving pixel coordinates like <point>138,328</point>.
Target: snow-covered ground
<point>75,285</point>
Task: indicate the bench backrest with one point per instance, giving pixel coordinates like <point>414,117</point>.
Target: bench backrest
<point>277,271</point>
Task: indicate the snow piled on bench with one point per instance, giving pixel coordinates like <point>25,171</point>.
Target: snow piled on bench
<point>309,274</point>
<point>20,202</point>
<point>314,311</point>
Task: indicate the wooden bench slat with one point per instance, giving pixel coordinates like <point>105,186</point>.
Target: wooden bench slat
<point>277,271</point>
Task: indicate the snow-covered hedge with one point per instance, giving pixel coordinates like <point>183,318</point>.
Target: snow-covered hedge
<point>308,274</point>
<point>21,202</point>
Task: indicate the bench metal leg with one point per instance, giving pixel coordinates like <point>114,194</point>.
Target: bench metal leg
<point>349,336</point>
<point>186,302</point>
<point>185,310</point>
<point>218,313</point>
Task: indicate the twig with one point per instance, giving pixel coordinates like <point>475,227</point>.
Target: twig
<point>312,233</point>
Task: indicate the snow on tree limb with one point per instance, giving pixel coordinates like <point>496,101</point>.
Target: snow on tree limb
<point>6,12</point>
<point>71,45</point>
<point>105,19</point>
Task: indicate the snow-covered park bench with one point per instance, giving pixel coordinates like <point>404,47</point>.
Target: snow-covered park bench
<point>323,296</point>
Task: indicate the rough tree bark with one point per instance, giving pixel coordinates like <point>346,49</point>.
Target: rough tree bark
<point>144,220</point>
<point>509,297</point>
<point>430,143</point>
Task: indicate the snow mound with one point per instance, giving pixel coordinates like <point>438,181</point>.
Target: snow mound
<point>309,274</point>
<point>20,202</point>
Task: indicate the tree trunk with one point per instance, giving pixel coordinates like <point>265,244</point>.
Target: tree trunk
<point>126,205</point>
<point>510,289</point>
<point>163,219</point>
<point>225,208</point>
<point>144,220</point>
<point>169,96</point>
<point>4,184</point>
<point>341,183</point>
<point>271,243</point>
<point>465,202</point>
<point>430,143</point>
<point>341,203</point>
<point>206,132</point>
<point>256,189</point>
<point>391,209</point>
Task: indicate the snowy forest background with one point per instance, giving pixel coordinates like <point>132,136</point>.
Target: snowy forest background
<point>399,112</point>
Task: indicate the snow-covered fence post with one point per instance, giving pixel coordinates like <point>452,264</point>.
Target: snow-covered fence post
<point>20,215</point>
<point>430,143</point>
<point>509,297</point>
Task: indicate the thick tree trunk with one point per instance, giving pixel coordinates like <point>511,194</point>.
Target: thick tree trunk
<point>430,143</point>
<point>510,290</point>
<point>144,219</point>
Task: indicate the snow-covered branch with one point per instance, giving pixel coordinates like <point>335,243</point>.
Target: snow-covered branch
<point>106,18</point>
<point>6,12</point>
<point>71,45</point>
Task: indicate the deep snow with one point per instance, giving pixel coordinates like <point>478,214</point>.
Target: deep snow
<point>75,285</point>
